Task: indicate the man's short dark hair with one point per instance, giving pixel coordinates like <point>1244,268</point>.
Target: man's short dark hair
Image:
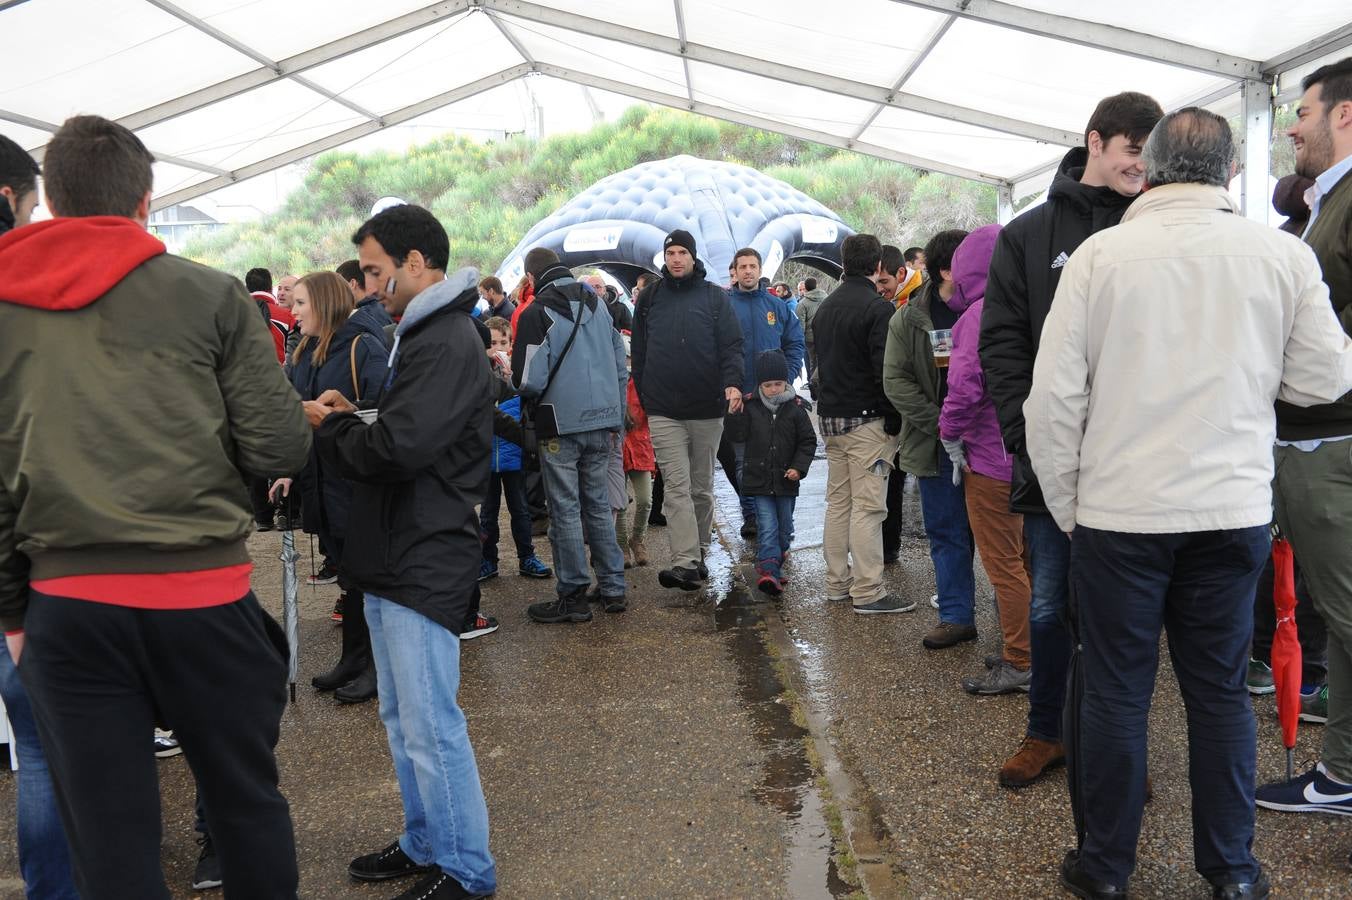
<point>490,283</point>
<point>539,260</point>
<point>351,271</point>
<point>911,254</point>
<point>1129,113</point>
<point>809,283</point>
<point>939,252</point>
<point>746,251</point>
<point>18,171</point>
<point>644,279</point>
<point>860,254</point>
<point>258,280</point>
<point>1334,80</point>
<point>402,229</point>
<point>95,167</point>
<point>892,259</point>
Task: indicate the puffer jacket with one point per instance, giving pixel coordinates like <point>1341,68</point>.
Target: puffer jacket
<point>507,455</point>
<point>968,413</point>
<point>767,324</point>
<point>777,439</point>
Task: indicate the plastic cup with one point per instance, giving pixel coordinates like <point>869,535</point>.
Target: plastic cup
<point>941,341</point>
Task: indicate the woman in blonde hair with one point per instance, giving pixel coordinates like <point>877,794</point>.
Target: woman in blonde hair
<point>343,351</point>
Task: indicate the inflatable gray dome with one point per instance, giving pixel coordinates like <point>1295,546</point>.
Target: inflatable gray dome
<point>618,224</point>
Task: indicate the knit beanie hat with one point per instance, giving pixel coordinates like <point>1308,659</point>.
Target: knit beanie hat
<point>681,238</point>
<point>771,366</point>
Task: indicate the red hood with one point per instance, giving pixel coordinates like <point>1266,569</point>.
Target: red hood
<point>69,263</point>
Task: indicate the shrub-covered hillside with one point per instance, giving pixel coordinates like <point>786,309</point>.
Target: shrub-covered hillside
<point>488,195</point>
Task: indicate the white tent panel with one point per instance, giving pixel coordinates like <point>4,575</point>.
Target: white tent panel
<point>1256,29</point>
<point>28,138</point>
<point>279,30</point>
<point>65,57</point>
<point>658,17</point>
<point>801,106</point>
<point>421,64</point>
<point>168,177</point>
<point>250,127</point>
<point>1041,80</point>
<point>958,144</point>
<point>598,56</point>
<point>875,44</point>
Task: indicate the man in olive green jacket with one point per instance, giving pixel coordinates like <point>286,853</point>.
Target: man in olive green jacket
<point>916,385</point>
<point>137,387</point>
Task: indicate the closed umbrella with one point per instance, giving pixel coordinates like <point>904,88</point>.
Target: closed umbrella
<point>290,602</point>
<point>1286,661</point>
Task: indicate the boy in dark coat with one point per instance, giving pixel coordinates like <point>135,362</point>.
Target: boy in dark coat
<point>780,442</point>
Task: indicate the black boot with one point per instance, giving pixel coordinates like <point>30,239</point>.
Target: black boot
<point>359,689</point>
<point>356,645</point>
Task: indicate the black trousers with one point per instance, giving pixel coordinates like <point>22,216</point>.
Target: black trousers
<point>263,510</point>
<point>101,676</point>
<point>896,493</point>
<point>1310,627</point>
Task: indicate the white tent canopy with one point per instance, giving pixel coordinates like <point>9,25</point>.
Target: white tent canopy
<point>224,90</point>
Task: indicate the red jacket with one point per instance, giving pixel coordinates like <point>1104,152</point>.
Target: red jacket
<point>280,322</point>
<point>638,442</point>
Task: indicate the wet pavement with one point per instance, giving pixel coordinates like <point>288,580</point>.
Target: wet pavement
<point>717,744</point>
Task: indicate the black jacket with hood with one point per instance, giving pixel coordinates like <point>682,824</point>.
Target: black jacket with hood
<point>777,439</point>
<point>1024,272</point>
<point>686,347</point>
<point>851,339</point>
<point>418,470</point>
<point>359,346</point>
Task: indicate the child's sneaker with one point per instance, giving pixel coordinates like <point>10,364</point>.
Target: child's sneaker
<point>768,580</point>
<point>531,567</point>
<point>488,570</point>
<point>337,615</point>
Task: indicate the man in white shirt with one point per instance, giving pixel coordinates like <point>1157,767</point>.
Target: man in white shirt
<point>1150,428</point>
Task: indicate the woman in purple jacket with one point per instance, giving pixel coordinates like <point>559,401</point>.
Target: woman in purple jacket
<point>971,436</point>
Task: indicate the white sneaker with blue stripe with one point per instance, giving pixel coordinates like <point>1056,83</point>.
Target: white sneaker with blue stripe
<point>1314,791</point>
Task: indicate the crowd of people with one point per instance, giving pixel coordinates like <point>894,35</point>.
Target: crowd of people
<point>1090,396</point>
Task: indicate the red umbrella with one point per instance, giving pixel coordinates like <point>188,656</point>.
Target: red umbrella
<point>1286,662</point>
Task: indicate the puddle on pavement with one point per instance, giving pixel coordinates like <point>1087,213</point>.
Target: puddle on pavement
<point>789,784</point>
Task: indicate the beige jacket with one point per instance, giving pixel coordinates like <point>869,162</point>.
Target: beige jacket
<point>1170,338</point>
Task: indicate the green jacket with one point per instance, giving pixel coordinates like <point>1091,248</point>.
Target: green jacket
<point>1331,239</point>
<point>807,308</point>
<point>911,383</point>
<point>139,390</point>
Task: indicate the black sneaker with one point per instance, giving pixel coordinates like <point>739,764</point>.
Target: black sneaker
<point>208,872</point>
<point>479,626</point>
<point>392,862</point>
<point>610,604</point>
<point>327,574</point>
<point>566,608</point>
<point>438,886</point>
<point>749,529</point>
<point>678,577</point>
<point>166,745</point>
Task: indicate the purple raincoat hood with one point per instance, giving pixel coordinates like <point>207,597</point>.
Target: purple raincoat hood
<point>971,261</point>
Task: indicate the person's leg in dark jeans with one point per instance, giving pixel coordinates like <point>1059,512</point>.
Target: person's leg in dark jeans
<point>896,492</point>
<point>748,505</point>
<point>951,545</point>
<point>488,518</point>
<point>44,856</point>
<point>99,673</point>
<point>655,516</point>
<point>1048,549</point>
<point>518,508</point>
<point>263,510</point>
<point>767,536</point>
<point>727,461</point>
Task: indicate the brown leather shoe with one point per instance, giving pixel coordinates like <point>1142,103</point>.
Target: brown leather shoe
<point>1034,759</point>
<point>948,634</point>
<point>640,552</point>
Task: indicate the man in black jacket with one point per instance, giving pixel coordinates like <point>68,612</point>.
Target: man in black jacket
<point>413,543</point>
<point>687,364</point>
<point>1091,191</point>
<point>860,427</point>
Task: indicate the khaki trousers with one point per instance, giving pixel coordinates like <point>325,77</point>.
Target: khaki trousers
<point>685,453</point>
<point>999,540</point>
<point>856,504</point>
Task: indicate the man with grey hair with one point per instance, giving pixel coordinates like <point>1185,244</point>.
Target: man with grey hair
<point>1150,429</point>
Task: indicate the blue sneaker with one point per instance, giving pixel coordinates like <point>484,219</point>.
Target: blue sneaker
<point>531,567</point>
<point>1314,791</point>
<point>487,570</point>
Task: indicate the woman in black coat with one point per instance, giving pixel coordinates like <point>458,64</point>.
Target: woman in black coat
<point>345,351</point>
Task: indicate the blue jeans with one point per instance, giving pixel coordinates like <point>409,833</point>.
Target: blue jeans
<point>418,675</point>
<point>1048,550</point>
<point>774,530</point>
<point>44,857</point>
<point>513,486</point>
<point>578,487</point>
<point>1198,588</point>
<point>951,545</point>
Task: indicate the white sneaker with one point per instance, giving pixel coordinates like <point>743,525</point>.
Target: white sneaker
<point>934,600</point>
<point>166,745</point>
